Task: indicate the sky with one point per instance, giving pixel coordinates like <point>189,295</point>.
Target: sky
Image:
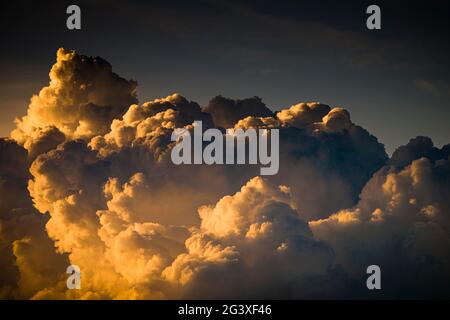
<point>282,51</point>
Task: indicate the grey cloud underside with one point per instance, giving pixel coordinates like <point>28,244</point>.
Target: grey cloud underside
<point>96,187</point>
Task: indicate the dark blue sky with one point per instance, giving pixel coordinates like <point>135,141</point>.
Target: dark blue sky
<point>393,81</point>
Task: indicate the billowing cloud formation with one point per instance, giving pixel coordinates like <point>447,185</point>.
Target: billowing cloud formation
<point>253,245</point>
<point>81,100</point>
<point>303,114</point>
<point>401,223</point>
<point>96,165</point>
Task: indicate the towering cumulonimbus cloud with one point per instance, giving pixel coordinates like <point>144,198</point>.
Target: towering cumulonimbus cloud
<point>96,187</point>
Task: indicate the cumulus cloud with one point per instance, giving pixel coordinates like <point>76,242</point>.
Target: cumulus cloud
<point>253,245</point>
<point>401,223</point>
<point>303,114</point>
<point>94,186</point>
<point>150,124</point>
<point>81,100</point>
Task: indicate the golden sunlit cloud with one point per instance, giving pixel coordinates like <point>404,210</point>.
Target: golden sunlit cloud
<point>86,179</point>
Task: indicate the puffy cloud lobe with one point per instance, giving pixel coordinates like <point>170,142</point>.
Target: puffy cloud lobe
<point>257,123</point>
<point>303,114</point>
<point>140,251</point>
<point>42,140</point>
<point>150,124</point>
<point>137,201</point>
<point>323,155</point>
<point>227,112</point>
<point>417,148</point>
<point>81,100</point>
<point>67,184</point>
<point>316,117</point>
<point>232,215</point>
